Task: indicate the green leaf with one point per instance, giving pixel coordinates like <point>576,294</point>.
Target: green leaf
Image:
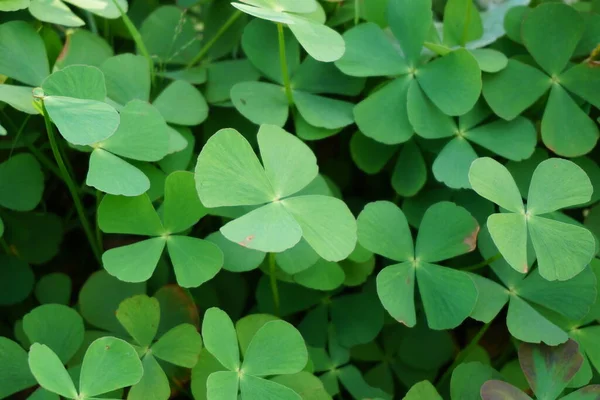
<point>113,175</point>
<point>492,181</point>
<point>410,22</point>
<point>452,163</point>
<point>549,369</point>
<point>422,391</point>
<point>564,117</point>
<point>23,55</point>
<point>582,80</point>
<point>468,378</point>
<point>14,369</point>
<point>499,390</point>
<point>135,262</point>
<point>258,388</point>
<point>82,122</point>
<point>552,23</point>
<point>109,364</point>
<point>124,80</point>
<point>514,89</point>
<point>509,233</point>
<point>237,258</point>
<point>181,103</point>
<point>140,316</point>
<point>489,60</point>
<point>515,139</point>
<point>356,318</point>
<point>323,112</point>
<point>410,171</point>
<point>154,384</point>
<point>54,12</point>
<point>84,47</point>
<point>180,346</point>
<point>57,326</point>
<point>459,74</point>
<point>586,393</point>
<point>227,161</point>
<point>261,102</point>
<point>320,41</point>
<point>142,134</point>
<point>449,296</point>
<point>462,23</point>
<point>21,182</point>
<point>369,52</point>
<point>54,288</point>
<point>195,261</point>
<point>446,231</point>
<point>17,280</point>
<point>528,325</point>
<point>222,385</point>
<point>297,259</point>
<point>383,229</point>
<point>326,224</point>
<point>383,115</point>
<point>563,250</point>
<point>308,386</point>
<point>181,208</point>
<point>399,303</point>
<point>18,97</point>
<point>132,215</point>
<point>49,371</point>
<point>556,184</point>
<point>427,120</point>
<point>276,349</point>
<point>220,338</point>
<point>77,81</point>
<point>323,275</point>
<point>14,5</point>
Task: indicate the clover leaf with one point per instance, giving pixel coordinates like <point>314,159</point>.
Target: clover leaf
<point>515,139</point>
<point>562,249</point>
<point>181,346</point>
<point>228,173</point>
<point>451,82</point>
<point>305,19</point>
<point>116,358</point>
<point>383,229</point>
<point>567,130</point>
<point>21,183</point>
<point>266,103</point>
<point>194,260</point>
<point>16,281</point>
<point>276,349</point>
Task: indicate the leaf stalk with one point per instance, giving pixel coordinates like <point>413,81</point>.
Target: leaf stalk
<point>284,68</point>
<point>206,48</point>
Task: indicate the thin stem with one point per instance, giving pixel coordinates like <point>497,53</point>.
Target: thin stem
<point>482,264</point>
<point>98,231</point>
<point>70,185</point>
<point>91,22</point>
<point>273,279</point>
<point>137,38</point>
<point>464,354</point>
<point>208,45</point>
<point>283,62</point>
<point>356,11</point>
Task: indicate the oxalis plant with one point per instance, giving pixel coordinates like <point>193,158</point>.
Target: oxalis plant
<point>299,199</point>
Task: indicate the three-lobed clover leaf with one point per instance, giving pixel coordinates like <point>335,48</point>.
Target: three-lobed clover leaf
<point>194,260</point>
<point>452,82</point>
<point>266,103</point>
<point>277,348</point>
<point>548,371</point>
<point>446,231</point>
<point>228,173</point>
<point>306,20</point>
<point>567,130</point>
<point>563,250</point>
<point>108,364</point>
<point>514,140</point>
<point>181,345</point>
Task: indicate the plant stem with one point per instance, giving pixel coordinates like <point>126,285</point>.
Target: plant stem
<point>208,45</point>
<point>464,353</point>
<point>137,38</point>
<point>273,279</point>
<point>283,62</point>
<point>70,185</point>
<point>91,21</point>
<point>482,264</point>
<point>356,11</point>
<point>98,231</point>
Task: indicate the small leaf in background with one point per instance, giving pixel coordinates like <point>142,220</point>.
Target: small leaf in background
<point>21,183</point>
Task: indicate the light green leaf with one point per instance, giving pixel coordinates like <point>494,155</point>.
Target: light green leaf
<point>18,97</point>
<point>261,102</point>
<point>468,378</point>
<point>103,8</point>
<point>563,250</point>
<point>583,80</point>
<point>220,338</point>
<point>462,23</point>
<point>113,175</point>
<point>515,139</point>
<point>181,207</point>
<point>57,326</point>
<point>13,5</point>
<point>125,78</point>
<point>323,275</point>
<point>135,262</point>
<point>452,164</point>
<point>237,258</point>
<point>132,215</point>
<point>54,12</point>
<point>180,346</point>
<point>195,261</point>
<point>410,22</point>
<point>489,60</point>
<point>491,299</point>
<point>109,364</point>
<point>383,229</point>
<point>21,182</point>
<point>297,259</point>
<point>228,172</point>
<point>49,371</point>
<point>427,120</point>
<point>326,223</point>
<point>492,181</point>
<point>82,122</point>
<point>423,390</point>
<point>410,171</point>
<point>15,374</point>
<point>556,184</point>
<point>85,48</point>
<point>258,388</point>
<point>528,325</point>
<point>22,53</point>
<point>154,385</point>
<point>222,385</point>
<point>181,103</point>
<point>140,316</point>
<point>320,41</point>
<point>509,233</point>
<point>323,112</point>
<point>400,303</point>
<point>82,82</point>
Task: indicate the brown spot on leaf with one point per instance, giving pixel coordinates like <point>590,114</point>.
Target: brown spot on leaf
<point>471,240</point>
<point>107,347</point>
<point>525,268</point>
<point>246,241</point>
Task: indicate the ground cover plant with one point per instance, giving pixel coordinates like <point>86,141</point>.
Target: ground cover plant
<point>300,199</point>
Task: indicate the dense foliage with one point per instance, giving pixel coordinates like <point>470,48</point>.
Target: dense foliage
<point>299,199</point>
